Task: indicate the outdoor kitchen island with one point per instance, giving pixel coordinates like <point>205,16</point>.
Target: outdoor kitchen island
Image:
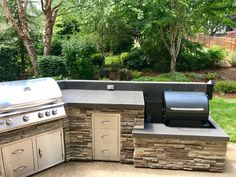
<point>159,146</point>
<point>143,138</point>
<point>100,123</point>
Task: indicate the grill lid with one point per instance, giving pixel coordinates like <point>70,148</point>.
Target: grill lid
<point>195,102</point>
<point>23,94</point>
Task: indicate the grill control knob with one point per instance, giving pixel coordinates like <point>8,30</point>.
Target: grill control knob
<point>25,118</point>
<point>54,112</point>
<point>47,113</point>
<point>9,121</point>
<point>40,115</point>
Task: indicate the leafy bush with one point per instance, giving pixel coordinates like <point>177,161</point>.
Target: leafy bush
<point>115,66</point>
<point>78,51</point>
<point>233,59</point>
<point>50,66</point>
<point>124,74</point>
<point>196,76</point>
<point>98,59</point>
<point>216,54</point>
<point>112,59</point>
<point>9,69</point>
<point>225,86</point>
<point>78,48</point>
<point>211,75</point>
<point>123,56</point>
<point>121,44</point>
<point>82,69</point>
<point>56,48</point>
<point>135,73</point>
<point>194,57</point>
<point>137,60</point>
<point>104,72</point>
<point>167,77</point>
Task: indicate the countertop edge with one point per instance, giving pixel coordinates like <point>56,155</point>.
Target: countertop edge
<point>218,135</point>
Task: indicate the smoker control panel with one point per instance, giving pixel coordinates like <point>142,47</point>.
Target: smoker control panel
<point>19,121</point>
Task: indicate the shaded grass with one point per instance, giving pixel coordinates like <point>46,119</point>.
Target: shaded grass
<point>167,77</point>
<point>223,111</point>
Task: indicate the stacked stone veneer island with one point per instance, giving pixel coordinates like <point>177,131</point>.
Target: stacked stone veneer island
<point>169,149</point>
<point>78,131</point>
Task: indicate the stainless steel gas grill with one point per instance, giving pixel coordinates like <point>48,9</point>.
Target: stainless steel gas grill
<point>27,102</point>
<point>186,109</point>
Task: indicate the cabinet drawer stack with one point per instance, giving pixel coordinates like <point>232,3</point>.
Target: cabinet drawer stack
<point>106,137</point>
<point>18,158</point>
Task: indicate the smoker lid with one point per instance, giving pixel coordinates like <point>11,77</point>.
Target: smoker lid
<point>185,101</point>
<point>23,94</point>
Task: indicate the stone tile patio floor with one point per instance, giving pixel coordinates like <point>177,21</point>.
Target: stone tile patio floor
<point>112,169</point>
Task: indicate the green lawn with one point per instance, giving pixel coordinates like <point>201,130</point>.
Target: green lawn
<point>223,111</point>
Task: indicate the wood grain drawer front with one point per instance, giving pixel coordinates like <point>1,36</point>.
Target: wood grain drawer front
<point>16,151</point>
<point>106,151</point>
<point>106,121</point>
<point>22,167</point>
<point>106,136</point>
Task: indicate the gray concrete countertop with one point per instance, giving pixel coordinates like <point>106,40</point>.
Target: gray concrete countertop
<point>131,99</point>
<point>161,131</point>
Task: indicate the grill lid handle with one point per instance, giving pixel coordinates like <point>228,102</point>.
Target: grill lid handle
<point>186,109</point>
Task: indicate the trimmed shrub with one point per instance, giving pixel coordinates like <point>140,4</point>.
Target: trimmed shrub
<point>124,74</point>
<point>135,73</point>
<point>98,59</point>
<point>166,77</point>
<point>137,60</point>
<point>56,48</point>
<point>233,59</point>
<point>124,56</point>
<point>216,54</point>
<point>9,69</point>
<point>50,66</point>
<point>78,48</point>
<point>83,69</point>
<point>78,51</point>
<point>225,86</point>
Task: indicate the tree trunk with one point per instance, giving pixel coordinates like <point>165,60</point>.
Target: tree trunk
<point>173,63</point>
<point>50,18</point>
<point>48,35</point>
<point>32,54</point>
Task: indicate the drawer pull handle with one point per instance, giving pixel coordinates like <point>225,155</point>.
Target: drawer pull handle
<point>18,151</point>
<point>40,153</point>
<point>105,136</point>
<point>105,122</point>
<point>104,151</point>
<point>20,168</point>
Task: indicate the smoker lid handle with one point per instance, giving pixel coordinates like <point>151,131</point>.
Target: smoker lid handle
<point>186,109</point>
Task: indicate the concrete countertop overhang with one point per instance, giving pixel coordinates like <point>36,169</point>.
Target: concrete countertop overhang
<point>159,130</point>
<point>91,98</point>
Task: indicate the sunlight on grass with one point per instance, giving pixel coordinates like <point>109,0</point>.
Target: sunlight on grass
<point>223,111</point>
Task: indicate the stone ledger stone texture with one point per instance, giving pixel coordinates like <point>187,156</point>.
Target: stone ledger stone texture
<point>27,132</point>
<point>202,155</point>
<point>78,131</point>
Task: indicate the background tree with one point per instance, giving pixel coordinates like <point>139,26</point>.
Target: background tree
<point>50,13</point>
<point>177,19</point>
<point>20,25</point>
